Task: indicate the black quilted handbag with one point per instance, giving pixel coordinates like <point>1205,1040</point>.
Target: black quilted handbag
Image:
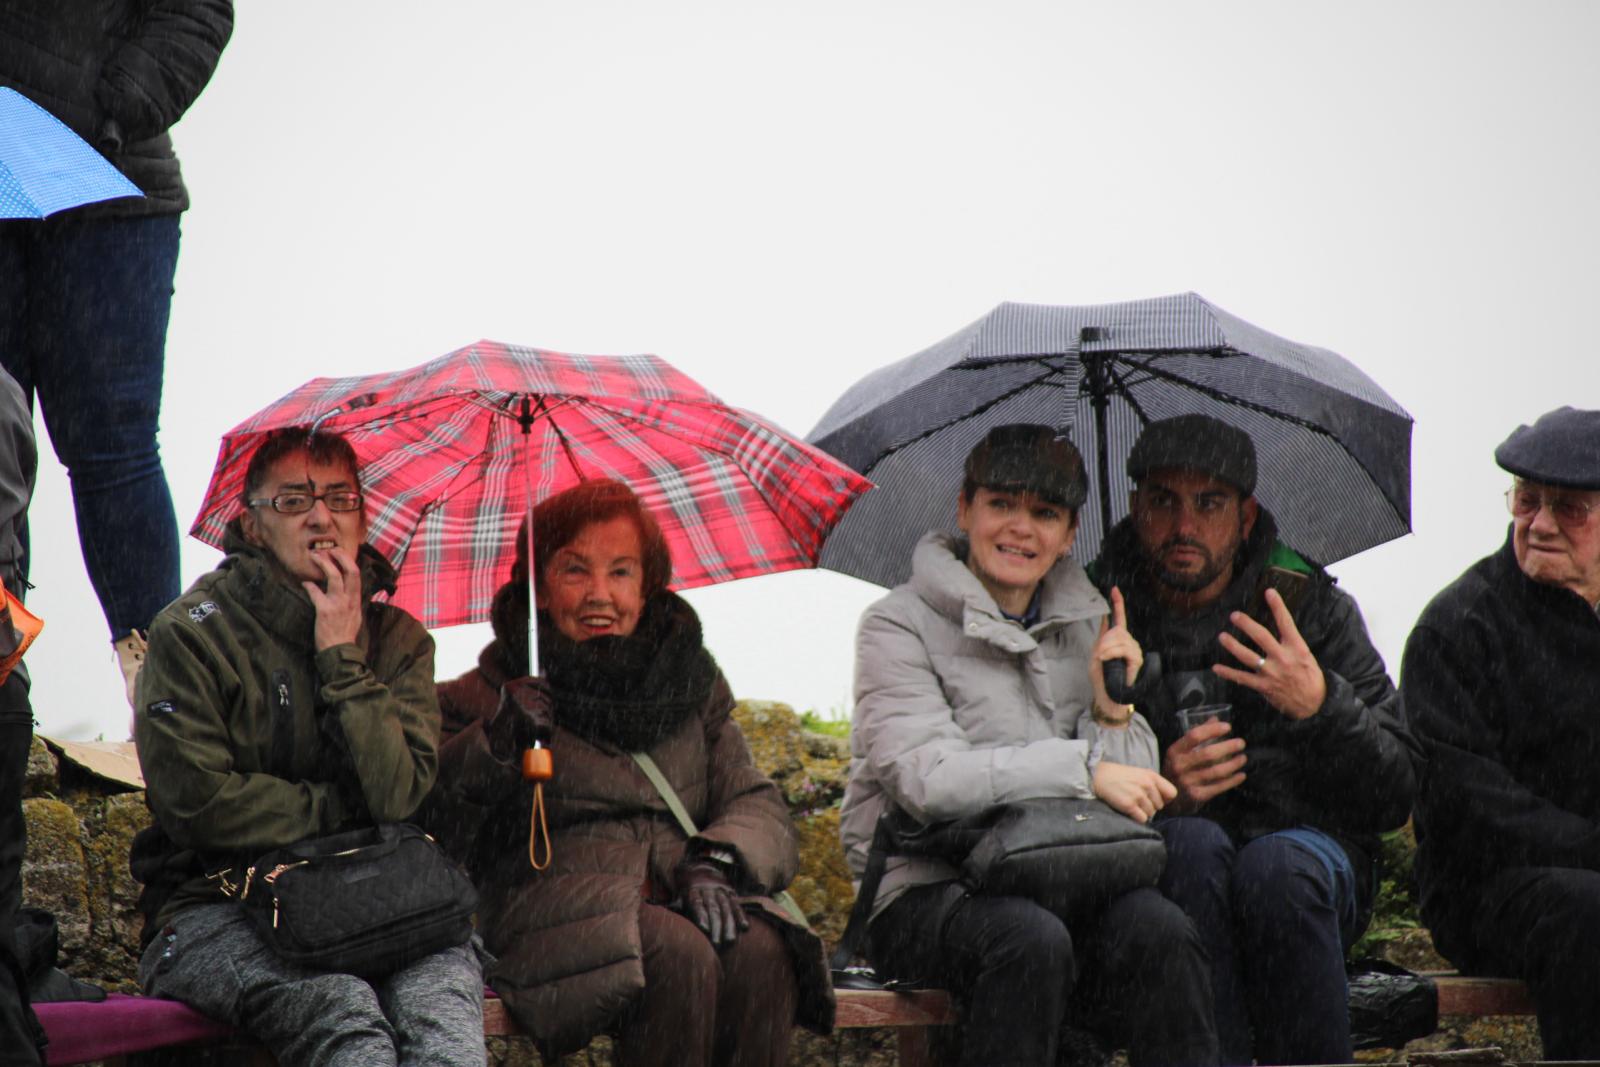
<point>1069,855</point>
<point>365,902</point>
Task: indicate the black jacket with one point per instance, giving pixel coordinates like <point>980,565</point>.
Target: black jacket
<point>1347,770</point>
<point>1502,686</point>
<point>119,73</point>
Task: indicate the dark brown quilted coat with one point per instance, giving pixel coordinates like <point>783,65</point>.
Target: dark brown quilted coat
<point>567,938</point>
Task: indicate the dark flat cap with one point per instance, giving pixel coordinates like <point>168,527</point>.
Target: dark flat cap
<point>1030,458</point>
<point>1199,443</point>
<point>1561,448</point>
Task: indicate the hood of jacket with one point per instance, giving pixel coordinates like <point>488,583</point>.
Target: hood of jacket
<point>941,578</point>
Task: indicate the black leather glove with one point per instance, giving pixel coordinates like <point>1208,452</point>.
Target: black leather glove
<point>706,896</point>
<point>526,714</point>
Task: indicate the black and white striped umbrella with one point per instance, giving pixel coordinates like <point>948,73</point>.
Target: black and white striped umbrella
<point>1334,449</point>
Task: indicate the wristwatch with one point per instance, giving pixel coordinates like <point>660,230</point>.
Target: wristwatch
<point>1106,720</point>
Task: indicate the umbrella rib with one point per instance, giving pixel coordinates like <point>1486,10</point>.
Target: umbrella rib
<point>1217,394</point>
<point>1007,395</point>
<point>1250,405</point>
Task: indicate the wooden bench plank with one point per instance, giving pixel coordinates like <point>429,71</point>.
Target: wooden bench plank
<point>1460,995</point>
<point>858,1009</point>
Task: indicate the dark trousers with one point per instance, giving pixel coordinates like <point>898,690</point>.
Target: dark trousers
<point>1542,925</point>
<point>732,1007</point>
<point>1136,972</point>
<point>1276,915</point>
<point>17,1027</point>
<point>83,324</point>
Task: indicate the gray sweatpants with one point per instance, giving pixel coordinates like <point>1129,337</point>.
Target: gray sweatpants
<point>211,958</point>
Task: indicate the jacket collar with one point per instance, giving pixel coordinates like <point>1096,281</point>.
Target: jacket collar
<point>941,578</point>
<point>278,601</point>
<point>1544,597</point>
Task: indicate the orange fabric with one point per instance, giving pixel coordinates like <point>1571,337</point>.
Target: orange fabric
<point>14,616</point>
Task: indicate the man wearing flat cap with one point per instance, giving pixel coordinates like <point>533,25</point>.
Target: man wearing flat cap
<point>1502,686</point>
<point>1272,838</point>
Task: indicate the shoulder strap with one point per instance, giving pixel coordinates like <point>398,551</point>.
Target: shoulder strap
<point>855,929</point>
<point>664,787</point>
<point>679,812</point>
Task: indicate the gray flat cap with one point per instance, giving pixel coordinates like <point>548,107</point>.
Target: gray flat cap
<point>1561,448</point>
<point>1196,442</point>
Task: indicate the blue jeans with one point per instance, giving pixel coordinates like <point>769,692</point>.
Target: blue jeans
<point>1276,915</point>
<point>83,324</point>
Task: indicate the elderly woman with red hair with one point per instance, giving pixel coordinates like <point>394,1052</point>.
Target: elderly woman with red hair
<point>669,942</point>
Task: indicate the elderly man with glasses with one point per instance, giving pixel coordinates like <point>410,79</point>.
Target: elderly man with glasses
<point>1501,680</point>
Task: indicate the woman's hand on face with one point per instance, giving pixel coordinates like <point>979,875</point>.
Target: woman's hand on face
<point>1136,792</point>
<point>1115,642</point>
<point>338,607</point>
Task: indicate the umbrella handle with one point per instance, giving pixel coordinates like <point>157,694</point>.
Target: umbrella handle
<point>1115,674</point>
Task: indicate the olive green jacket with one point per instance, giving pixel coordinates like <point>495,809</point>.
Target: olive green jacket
<point>250,738</point>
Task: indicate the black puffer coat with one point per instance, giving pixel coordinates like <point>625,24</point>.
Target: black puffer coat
<point>119,73</point>
<point>1349,769</point>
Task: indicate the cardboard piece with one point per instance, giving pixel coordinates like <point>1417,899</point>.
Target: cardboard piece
<point>115,761</point>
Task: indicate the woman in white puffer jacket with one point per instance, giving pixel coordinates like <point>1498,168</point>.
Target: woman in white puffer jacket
<point>978,682</point>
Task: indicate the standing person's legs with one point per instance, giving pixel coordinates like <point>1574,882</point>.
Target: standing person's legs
<point>1294,900</point>
<point>436,1008</point>
<point>671,1024</point>
<point>1147,981</point>
<point>1008,961</point>
<point>1542,925</point>
<point>211,958</point>
<point>99,294</point>
<point>755,1011</point>
<point>17,1033</point>
<point>1197,878</point>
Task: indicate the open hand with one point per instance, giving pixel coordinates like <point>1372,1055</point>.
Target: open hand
<point>1282,669</point>
<point>1201,769</point>
<point>339,605</point>
<point>1136,792</point>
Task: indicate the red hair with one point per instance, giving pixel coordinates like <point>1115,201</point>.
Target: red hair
<point>558,521</point>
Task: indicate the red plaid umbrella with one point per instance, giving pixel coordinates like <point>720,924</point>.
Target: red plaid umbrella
<point>447,467</point>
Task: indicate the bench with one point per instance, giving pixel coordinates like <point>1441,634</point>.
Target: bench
<point>121,1025</point>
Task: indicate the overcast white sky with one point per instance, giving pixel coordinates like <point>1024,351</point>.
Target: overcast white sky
<point>778,198</point>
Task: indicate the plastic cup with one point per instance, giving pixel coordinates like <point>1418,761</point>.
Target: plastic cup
<point>1189,718</point>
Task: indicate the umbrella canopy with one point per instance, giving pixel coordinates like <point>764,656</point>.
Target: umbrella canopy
<point>447,449</point>
<point>1334,449</point>
<point>45,167</point>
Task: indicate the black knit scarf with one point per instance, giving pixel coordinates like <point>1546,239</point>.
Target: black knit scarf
<point>631,692</point>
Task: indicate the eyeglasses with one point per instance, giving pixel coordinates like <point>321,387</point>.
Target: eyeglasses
<point>1570,512</point>
<point>300,503</point>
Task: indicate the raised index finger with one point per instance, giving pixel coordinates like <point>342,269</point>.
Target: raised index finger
<point>1119,610</point>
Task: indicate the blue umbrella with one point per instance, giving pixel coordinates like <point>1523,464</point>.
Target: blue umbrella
<point>1335,449</point>
<point>45,167</point>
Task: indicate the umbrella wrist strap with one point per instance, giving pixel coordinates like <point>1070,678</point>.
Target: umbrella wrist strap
<point>538,830</point>
<point>675,805</point>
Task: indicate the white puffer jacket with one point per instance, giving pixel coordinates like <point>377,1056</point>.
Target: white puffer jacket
<point>958,709</point>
